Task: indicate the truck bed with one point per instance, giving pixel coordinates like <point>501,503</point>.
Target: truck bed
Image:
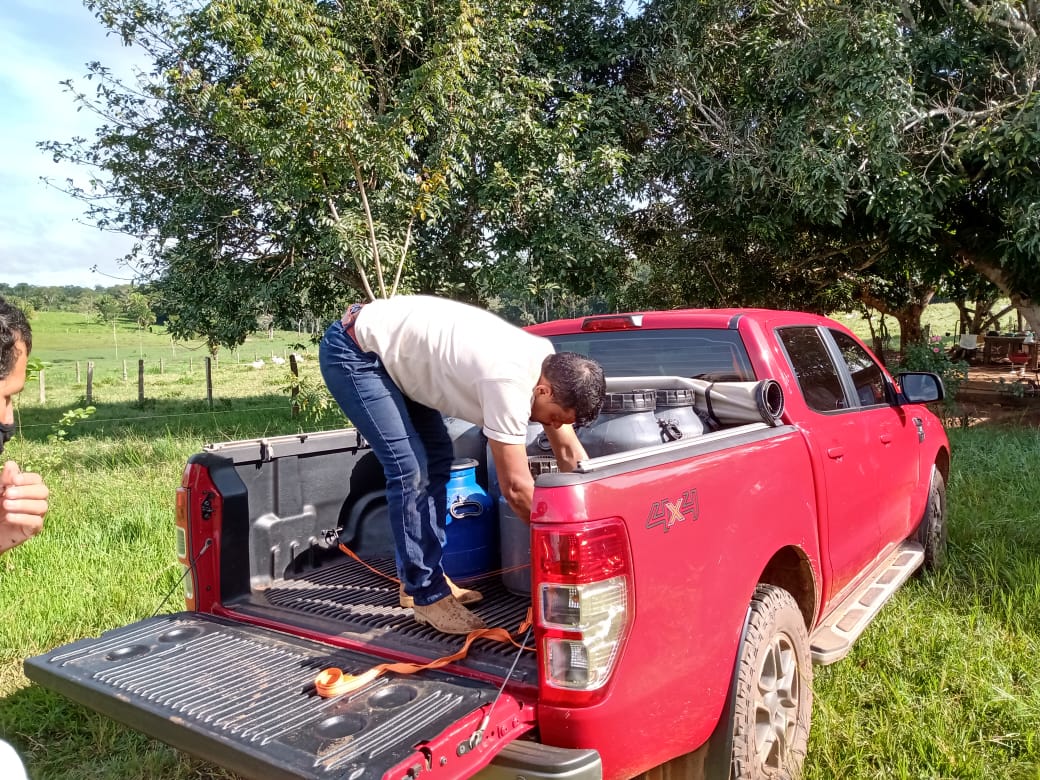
<point>344,598</point>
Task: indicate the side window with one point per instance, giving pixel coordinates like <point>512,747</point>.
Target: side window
<point>812,364</point>
<point>867,376</point>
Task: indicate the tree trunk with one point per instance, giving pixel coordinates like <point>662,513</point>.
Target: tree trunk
<point>979,317</point>
<point>1028,307</point>
<point>908,316</point>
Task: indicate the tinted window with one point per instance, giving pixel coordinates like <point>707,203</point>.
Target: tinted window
<point>702,353</point>
<point>814,369</point>
<point>866,374</point>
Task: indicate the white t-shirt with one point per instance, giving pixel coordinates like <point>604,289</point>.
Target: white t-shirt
<point>460,360</point>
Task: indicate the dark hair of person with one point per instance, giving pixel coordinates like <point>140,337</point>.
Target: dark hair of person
<point>577,383</point>
<point>14,327</point>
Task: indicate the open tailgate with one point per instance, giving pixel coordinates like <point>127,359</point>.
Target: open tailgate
<point>243,697</point>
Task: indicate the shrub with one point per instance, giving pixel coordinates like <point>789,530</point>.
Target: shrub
<point>932,356</point>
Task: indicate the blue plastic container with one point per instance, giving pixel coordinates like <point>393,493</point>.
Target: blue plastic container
<point>471,549</point>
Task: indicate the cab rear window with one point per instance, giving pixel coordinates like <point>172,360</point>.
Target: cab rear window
<point>716,355</point>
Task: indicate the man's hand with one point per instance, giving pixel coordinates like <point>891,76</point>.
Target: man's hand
<point>514,477</point>
<point>23,503</point>
<point>566,446</point>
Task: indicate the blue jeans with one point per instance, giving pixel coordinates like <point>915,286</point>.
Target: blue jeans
<point>412,443</point>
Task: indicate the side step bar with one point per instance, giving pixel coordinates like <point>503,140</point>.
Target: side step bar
<point>833,639</point>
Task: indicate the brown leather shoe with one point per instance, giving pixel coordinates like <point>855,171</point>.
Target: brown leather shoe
<point>464,595</point>
<point>448,616</point>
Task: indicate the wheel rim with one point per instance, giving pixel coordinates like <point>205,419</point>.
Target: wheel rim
<point>776,702</point>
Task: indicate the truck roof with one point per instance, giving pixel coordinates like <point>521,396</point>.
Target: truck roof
<point>678,318</point>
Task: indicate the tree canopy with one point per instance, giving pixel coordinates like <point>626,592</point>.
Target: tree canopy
<point>849,141</point>
<point>282,156</point>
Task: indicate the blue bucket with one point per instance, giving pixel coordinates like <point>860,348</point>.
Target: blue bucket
<point>471,549</point>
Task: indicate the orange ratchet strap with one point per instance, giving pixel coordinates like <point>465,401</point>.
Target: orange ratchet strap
<point>335,682</point>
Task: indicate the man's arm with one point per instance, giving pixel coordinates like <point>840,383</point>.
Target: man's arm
<point>566,447</point>
<point>514,476</point>
<point>23,503</point>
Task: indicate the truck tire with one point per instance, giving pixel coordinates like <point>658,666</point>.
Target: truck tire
<point>933,531</point>
<point>774,691</point>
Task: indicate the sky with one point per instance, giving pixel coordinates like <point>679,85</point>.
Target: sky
<point>43,238</point>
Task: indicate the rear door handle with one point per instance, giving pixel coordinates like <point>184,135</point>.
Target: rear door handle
<point>836,452</point>
<point>886,438</point>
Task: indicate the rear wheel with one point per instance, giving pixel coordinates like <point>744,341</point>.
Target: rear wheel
<point>773,703</point>
<point>932,532</point>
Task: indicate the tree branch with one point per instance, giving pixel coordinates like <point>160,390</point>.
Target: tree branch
<point>363,194</point>
<point>1009,22</point>
<point>961,114</point>
<point>357,261</point>
<point>404,255</point>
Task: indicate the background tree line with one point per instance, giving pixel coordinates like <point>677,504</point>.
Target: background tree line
<point>105,303</point>
<point>542,157</point>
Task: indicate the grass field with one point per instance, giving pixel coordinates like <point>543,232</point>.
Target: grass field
<point>246,401</point>
<point>945,684</point>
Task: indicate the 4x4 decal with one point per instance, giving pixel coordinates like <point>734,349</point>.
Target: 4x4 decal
<point>670,511</point>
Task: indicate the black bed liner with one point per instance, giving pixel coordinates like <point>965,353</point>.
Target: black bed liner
<point>346,599</point>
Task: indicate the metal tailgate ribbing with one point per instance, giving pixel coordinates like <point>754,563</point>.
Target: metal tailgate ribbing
<point>244,697</point>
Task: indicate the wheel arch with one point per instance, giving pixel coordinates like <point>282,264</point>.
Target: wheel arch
<point>942,462</point>
<point>790,569</point>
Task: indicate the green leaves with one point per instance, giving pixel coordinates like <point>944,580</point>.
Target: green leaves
<point>285,155</point>
<point>896,140</point>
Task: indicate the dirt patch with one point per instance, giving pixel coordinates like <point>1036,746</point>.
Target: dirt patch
<point>998,394</point>
<point>976,413</point>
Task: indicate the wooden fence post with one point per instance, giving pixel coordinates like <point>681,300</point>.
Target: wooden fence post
<point>140,381</point>
<point>77,373</point>
<point>43,388</point>
<point>295,385</point>
<point>124,370</point>
<point>90,382</point>
<point>209,382</point>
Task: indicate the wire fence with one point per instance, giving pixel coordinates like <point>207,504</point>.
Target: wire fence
<point>147,393</point>
<point>153,417</point>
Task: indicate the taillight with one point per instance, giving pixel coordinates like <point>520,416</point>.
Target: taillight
<point>613,322</point>
<point>199,509</point>
<point>584,607</point>
<point>587,554</point>
<point>181,525</point>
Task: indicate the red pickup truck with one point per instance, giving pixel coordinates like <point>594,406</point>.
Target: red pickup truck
<point>680,591</point>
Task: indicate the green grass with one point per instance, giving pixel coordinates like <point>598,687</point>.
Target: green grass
<point>945,684</point>
<point>939,319</point>
<point>245,401</point>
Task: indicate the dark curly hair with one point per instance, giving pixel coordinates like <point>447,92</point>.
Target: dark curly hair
<point>14,327</point>
<point>577,383</point>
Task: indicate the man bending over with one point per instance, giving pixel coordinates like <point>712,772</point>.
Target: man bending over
<point>396,365</point>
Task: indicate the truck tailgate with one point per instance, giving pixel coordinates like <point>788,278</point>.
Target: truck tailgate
<point>243,697</point>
